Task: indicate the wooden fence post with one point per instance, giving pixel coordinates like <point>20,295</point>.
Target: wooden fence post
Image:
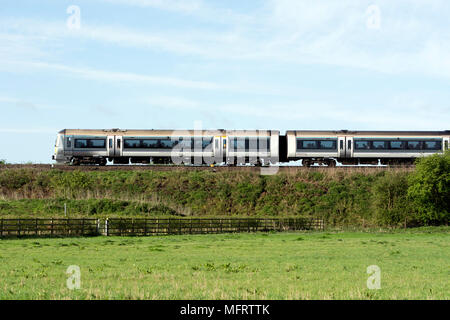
<point>106,227</point>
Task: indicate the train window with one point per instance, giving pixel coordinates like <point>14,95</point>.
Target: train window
<point>413,145</point>
<point>185,143</point>
<point>148,144</point>
<point>251,144</point>
<point>361,145</point>
<point>239,144</point>
<point>378,145</point>
<point>317,144</point>
<point>80,143</point>
<point>69,142</point>
<point>327,144</point>
<point>308,144</point>
<point>446,145</point>
<point>242,144</point>
<point>206,142</point>
<point>349,147</point>
<point>197,143</point>
<point>432,145</point>
<point>264,144</point>
<point>168,144</point>
<point>118,143</point>
<point>110,143</point>
<point>396,145</point>
<point>131,143</point>
<point>341,144</point>
<point>96,143</point>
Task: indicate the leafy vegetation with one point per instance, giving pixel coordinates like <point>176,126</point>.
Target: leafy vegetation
<point>429,189</point>
<point>356,198</point>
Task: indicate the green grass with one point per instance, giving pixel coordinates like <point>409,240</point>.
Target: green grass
<point>322,265</point>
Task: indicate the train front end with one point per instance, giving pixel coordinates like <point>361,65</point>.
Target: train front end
<point>58,154</point>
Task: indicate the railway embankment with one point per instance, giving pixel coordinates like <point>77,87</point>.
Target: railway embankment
<point>361,197</point>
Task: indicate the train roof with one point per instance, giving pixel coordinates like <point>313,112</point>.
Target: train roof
<point>216,132</point>
<point>370,133</point>
<point>154,132</point>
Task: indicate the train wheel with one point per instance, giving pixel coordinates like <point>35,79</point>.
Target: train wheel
<point>331,163</point>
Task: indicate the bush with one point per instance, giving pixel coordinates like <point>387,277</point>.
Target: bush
<point>429,188</point>
<point>392,206</point>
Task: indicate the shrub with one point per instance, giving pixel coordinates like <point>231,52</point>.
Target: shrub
<point>429,188</point>
<point>392,206</point>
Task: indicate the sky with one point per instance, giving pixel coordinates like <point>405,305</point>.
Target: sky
<point>256,64</point>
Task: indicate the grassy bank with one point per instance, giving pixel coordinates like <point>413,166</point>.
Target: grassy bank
<point>413,264</point>
<point>363,198</point>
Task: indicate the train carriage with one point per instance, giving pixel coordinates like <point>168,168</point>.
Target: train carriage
<point>85,146</point>
<point>364,147</point>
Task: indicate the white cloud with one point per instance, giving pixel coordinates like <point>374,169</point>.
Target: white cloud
<point>414,38</point>
<point>30,130</point>
<point>400,113</point>
<point>107,76</point>
<point>185,6</point>
<point>17,103</point>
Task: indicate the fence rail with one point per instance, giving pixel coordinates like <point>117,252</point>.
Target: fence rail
<point>151,226</point>
<point>49,227</point>
<point>144,227</point>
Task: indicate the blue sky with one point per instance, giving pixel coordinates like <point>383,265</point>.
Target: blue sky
<point>260,64</point>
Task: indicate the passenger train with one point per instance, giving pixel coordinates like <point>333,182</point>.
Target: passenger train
<point>234,147</point>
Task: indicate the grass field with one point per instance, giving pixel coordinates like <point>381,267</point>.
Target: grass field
<point>415,264</point>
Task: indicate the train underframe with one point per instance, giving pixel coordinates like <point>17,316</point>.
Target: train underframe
<point>160,161</point>
<point>306,162</point>
<point>332,162</point>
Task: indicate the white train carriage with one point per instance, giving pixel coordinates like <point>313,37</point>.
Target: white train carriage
<point>252,146</point>
<point>79,146</point>
<point>364,147</point>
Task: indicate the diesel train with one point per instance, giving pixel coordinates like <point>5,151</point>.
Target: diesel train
<point>234,147</point>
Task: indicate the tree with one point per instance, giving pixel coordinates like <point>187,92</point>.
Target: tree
<point>429,188</point>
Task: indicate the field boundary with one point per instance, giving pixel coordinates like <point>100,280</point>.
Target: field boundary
<point>52,227</point>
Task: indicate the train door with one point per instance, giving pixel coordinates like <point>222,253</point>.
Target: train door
<point>118,146</point>
<point>218,151</point>
<point>68,145</point>
<point>220,148</point>
<point>110,146</point>
<point>224,148</point>
<point>446,143</point>
<point>341,147</point>
<point>349,147</point>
